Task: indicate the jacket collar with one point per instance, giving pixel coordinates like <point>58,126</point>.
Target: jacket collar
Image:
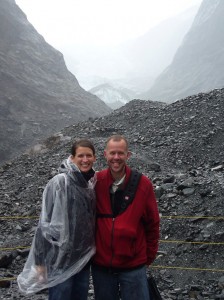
<point>111,179</point>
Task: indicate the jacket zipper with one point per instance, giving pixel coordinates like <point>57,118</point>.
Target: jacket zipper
<point>112,239</point>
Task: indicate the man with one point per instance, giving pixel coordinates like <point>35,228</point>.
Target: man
<point>126,235</point>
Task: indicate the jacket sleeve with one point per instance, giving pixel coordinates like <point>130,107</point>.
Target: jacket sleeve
<point>41,245</point>
<point>151,222</point>
<point>41,248</point>
<point>50,223</point>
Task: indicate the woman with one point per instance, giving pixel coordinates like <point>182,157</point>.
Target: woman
<point>64,239</point>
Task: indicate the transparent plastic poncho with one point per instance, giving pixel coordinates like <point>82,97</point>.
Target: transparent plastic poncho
<point>64,240</point>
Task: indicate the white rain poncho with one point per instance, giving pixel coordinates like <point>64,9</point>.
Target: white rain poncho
<point>64,238</point>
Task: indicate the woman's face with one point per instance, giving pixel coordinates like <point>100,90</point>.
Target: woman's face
<point>84,158</point>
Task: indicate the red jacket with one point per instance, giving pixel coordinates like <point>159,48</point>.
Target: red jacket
<point>131,238</point>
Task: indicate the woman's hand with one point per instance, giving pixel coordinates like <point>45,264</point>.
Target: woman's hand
<point>41,273</point>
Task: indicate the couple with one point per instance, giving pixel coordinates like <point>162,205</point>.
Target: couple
<point>123,244</point>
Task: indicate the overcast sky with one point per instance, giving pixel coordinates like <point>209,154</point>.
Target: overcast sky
<point>98,22</point>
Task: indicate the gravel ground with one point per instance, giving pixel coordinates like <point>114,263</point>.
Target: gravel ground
<point>180,147</point>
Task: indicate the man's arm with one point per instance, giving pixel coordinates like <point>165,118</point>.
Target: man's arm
<point>151,222</point>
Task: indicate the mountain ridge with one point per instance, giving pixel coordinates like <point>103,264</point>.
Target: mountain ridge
<point>38,95</point>
<point>197,64</point>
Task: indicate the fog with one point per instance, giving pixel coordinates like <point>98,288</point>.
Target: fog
<point>125,42</point>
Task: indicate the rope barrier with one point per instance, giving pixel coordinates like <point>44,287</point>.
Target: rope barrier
<point>15,248</point>
<point>161,241</point>
<point>163,217</point>
<point>193,217</point>
<point>18,217</point>
<point>8,279</point>
<point>185,242</point>
<point>186,268</point>
<point>153,267</point>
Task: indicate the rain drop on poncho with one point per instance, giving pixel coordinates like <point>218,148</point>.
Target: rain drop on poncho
<point>64,238</point>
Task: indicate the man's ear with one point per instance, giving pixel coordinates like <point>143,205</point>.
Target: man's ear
<point>104,153</point>
<point>129,154</point>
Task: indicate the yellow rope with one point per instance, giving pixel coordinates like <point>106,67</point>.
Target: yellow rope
<point>17,217</point>
<point>7,279</point>
<point>193,217</point>
<point>153,267</point>
<point>163,217</point>
<point>17,247</point>
<point>186,268</point>
<point>184,242</point>
<point>161,241</point>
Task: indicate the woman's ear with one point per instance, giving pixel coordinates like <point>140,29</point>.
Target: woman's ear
<point>72,158</point>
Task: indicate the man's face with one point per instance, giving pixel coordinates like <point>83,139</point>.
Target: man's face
<point>84,158</point>
<point>116,154</point>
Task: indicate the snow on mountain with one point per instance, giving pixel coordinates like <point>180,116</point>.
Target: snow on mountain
<point>112,96</point>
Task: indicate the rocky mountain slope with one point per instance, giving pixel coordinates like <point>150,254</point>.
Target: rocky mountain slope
<point>38,95</point>
<point>198,63</point>
<point>180,146</point>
